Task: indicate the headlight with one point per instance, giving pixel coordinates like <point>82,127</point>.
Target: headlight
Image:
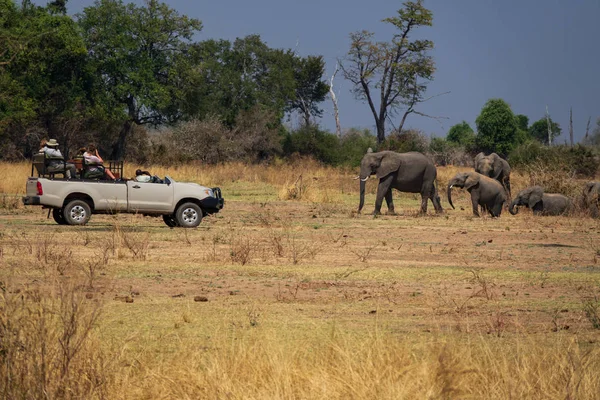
<point>209,192</point>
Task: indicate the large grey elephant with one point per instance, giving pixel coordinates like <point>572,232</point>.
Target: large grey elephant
<point>485,192</point>
<point>591,198</point>
<point>494,167</point>
<point>541,203</point>
<point>410,172</point>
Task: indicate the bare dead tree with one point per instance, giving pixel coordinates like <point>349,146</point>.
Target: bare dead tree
<point>571,126</point>
<point>336,112</point>
<point>549,127</point>
<point>587,128</point>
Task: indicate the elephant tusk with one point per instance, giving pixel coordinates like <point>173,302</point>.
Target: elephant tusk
<point>451,186</point>
<point>356,177</point>
<point>364,180</point>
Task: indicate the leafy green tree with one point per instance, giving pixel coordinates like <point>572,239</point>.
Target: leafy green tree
<point>310,89</point>
<point>496,128</point>
<point>539,130</point>
<point>43,73</point>
<point>314,142</point>
<point>139,54</point>
<point>399,69</point>
<point>522,122</point>
<point>461,134</point>
<point>239,76</point>
<point>354,145</point>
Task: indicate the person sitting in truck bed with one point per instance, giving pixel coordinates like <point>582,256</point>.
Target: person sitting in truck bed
<point>93,157</point>
<point>56,161</point>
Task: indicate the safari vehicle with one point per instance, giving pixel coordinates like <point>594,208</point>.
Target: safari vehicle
<point>73,201</point>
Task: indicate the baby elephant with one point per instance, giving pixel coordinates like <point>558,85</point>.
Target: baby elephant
<point>541,203</point>
<point>485,192</point>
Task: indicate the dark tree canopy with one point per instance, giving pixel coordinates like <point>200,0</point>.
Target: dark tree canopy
<point>539,130</point>
<point>522,122</point>
<point>496,128</point>
<point>138,54</point>
<point>310,88</point>
<point>461,134</point>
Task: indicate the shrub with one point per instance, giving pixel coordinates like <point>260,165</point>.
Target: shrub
<point>444,152</point>
<point>578,160</point>
<point>407,140</point>
<point>354,145</point>
<point>311,141</point>
<point>252,139</point>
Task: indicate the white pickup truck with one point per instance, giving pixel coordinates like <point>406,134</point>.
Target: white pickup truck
<point>73,201</point>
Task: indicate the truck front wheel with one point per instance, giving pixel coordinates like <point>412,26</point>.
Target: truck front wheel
<point>170,220</point>
<point>59,218</point>
<point>188,215</point>
<point>77,212</point>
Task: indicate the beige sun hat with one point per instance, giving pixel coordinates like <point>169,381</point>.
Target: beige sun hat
<point>52,143</point>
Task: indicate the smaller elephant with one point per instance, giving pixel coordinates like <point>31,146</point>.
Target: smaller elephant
<point>591,198</point>
<point>541,203</point>
<point>494,167</point>
<point>485,192</point>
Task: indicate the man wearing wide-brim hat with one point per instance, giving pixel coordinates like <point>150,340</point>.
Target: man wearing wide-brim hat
<point>56,161</point>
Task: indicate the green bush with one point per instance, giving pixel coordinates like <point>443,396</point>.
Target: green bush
<point>407,140</point>
<point>354,145</point>
<point>578,160</point>
<point>311,141</point>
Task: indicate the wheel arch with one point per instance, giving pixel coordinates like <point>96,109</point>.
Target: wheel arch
<point>79,196</point>
<point>188,200</point>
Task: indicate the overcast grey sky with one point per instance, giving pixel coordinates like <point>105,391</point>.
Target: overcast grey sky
<point>531,53</point>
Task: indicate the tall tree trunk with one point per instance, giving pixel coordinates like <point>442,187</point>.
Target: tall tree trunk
<point>587,128</point>
<point>306,118</point>
<point>571,126</point>
<point>549,127</point>
<point>119,148</point>
<point>380,123</point>
<point>336,112</point>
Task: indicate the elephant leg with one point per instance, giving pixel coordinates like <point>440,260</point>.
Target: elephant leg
<point>390,202</point>
<point>496,209</point>
<point>427,192</point>
<point>435,200</point>
<point>475,203</point>
<point>382,190</point>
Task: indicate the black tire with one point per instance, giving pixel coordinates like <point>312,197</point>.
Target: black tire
<point>188,215</point>
<point>59,218</point>
<point>77,212</point>
<point>170,220</point>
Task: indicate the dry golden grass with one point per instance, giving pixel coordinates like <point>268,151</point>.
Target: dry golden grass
<point>304,298</point>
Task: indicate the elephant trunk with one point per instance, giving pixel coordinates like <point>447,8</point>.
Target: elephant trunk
<point>513,209</point>
<point>363,184</point>
<point>450,195</point>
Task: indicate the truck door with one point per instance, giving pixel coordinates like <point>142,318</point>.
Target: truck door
<point>146,197</point>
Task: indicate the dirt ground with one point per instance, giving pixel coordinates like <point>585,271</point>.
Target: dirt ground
<point>300,262</point>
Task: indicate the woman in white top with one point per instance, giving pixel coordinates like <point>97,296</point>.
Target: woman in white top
<point>93,157</point>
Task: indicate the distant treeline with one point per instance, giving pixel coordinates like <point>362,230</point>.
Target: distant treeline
<point>133,80</point>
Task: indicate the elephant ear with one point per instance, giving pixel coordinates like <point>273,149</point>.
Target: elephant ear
<point>390,162</point>
<point>497,165</point>
<point>472,180</point>
<point>478,158</point>
<point>536,196</point>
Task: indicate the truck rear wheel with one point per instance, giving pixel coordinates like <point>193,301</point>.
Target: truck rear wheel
<point>170,220</point>
<point>77,212</point>
<point>188,215</point>
<point>59,218</point>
